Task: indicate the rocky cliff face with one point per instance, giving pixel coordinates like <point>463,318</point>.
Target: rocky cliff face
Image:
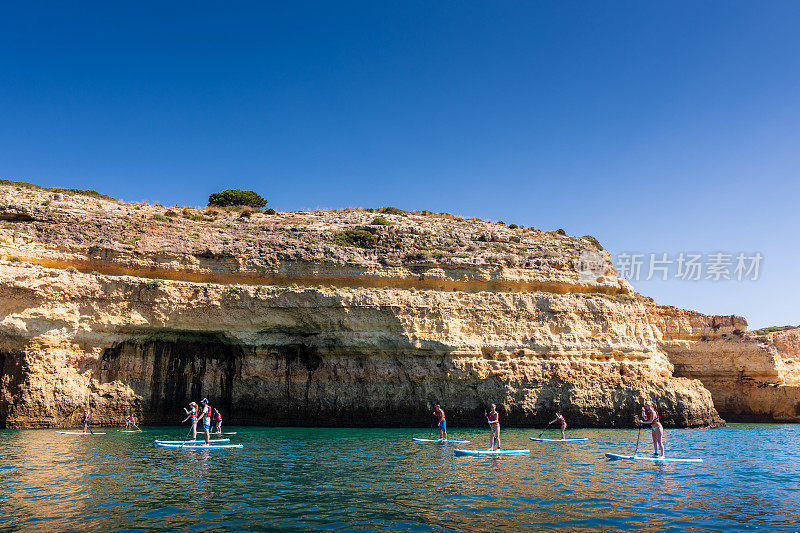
<point>751,377</point>
<point>278,319</point>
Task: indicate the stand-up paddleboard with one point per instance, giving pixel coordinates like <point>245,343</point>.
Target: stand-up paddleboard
<point>225,433</point>
<point>78,433</point>
<point>656,459</point>
<point>199,446</point>
<point>212,441</point>
<point>441,441</point>
<point>537,439</point>
<point>128,431</point>
<point>491,452</point>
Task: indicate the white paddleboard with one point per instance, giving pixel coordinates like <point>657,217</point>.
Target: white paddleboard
<point>537,439</point>
<point>199,446</point>
<point>78,433</point>
<point>491,452</point>
<point>212,441</point>
<point>656,459</point>
<point>440,441</point>
<point>127,431</point>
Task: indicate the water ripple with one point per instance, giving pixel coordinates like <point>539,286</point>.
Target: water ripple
<point>377,480</point>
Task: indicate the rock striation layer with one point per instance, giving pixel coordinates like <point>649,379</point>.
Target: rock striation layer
<point>279,319</point>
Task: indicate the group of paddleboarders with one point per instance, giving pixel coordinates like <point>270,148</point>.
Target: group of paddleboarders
<point>208,415</point>
<point>649,417</point>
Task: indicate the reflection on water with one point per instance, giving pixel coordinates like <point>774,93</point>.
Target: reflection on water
<point>301,479</point>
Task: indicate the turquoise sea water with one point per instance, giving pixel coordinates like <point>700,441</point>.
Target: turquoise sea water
<point>291,479</point>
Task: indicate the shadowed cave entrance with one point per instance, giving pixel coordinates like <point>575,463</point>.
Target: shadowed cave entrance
<point>170,369</point>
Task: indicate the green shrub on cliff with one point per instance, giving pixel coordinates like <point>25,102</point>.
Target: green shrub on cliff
<point>391,211</point>
<point>82,192</point>
<point>422,255</point>
<point>356,237</point>
<point>594,241</point>
<point>234,197</point>
<point>153,284</point>
<point>159,218</point>
<point>561,232</point>
<point>380,221</point>
<point>764,331</point>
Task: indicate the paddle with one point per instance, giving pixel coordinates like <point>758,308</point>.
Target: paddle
<point>637,438</point>
<point>491,434</point>
<point>545,429</point>
<point>430,432</point>
<point>187,437</point>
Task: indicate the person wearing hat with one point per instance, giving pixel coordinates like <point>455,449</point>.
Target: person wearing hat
<point>192,413</point>
<point>205,416</point>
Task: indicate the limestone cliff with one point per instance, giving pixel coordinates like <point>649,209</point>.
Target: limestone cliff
<point>751,377</point>
<point>278,319</point>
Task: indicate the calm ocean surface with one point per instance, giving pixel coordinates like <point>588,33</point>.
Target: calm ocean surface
<point>292,479</point>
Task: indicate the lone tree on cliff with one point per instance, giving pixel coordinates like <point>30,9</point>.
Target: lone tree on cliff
<point>234,197</point>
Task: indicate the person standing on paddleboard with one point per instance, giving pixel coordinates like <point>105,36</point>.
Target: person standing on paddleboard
<point>439,414</point>
<point>85,420</point>
<point>650,416</point>
<point>560,418</point>
<point>493,418</point>
<point>128,423</point>
<point>192,412</point>
<point>217,422</point>
<point>205,416</point>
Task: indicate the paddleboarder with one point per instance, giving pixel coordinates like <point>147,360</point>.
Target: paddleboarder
<point>217,421</point>
<point>560,418</point>
<point>493,418</point>
<point>132,420</point>
<point>192,413</point>
<point>438,412</point>
<point>85,420</point>
<point>205,416</point>
<point>127,423</point>
<point>650,416</point>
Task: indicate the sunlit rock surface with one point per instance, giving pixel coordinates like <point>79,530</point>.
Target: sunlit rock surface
<point>140,308</point>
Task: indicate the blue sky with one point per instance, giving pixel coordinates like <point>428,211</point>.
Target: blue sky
<point>656,127</point>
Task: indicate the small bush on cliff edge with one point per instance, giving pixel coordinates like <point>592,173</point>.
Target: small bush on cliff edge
<point>356,237</point>
<point>236,197</point>
<point>389,210</point>
<point>594,241</point>
<point>764,331</point>
<point>153,284</point>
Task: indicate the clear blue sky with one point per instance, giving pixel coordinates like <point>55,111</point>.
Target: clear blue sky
<point>655,126</point>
